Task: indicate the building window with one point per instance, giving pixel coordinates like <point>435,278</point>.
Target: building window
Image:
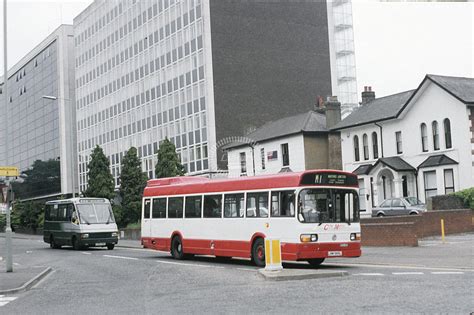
<point>434,126</point>
<point>285,153</point>
<point>424,137</point>
<point>447,133</point>
<point>365,143</point>
<point>262,157</point>
<point>375,145</point>
<point>448,181</point>
<point>243,163</point>
<point>398,137</point>
<point>356,149</point>
<point>430,184</point>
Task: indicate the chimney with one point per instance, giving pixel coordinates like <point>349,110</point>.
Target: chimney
<point>333,111</point>
<point>368,95</point>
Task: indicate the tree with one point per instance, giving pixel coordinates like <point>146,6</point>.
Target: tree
<point>100,183</point>
<point>168,164</point>
<point>132,183</point>
<point>42,178</point>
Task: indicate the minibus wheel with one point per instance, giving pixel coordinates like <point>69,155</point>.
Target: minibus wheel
<point>53,244</point>
<point>258,252</point>
<point>75,243</point>
<point>110,246</point>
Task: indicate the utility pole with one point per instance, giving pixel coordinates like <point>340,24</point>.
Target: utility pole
<point>8,228</point>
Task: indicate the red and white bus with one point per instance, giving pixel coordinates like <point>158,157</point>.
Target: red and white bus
<point>315,214</point>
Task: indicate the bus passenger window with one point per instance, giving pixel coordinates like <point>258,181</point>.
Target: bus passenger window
<point>53,213</point>
<point>257,205</point>
<point>62,215</point>
<point>193,207</point>
<point>175,207</point>
<point>146,210</point>
<point>159,208</point>
<point>283,203</point>
<point>234,206</point>
<point>213,206</point>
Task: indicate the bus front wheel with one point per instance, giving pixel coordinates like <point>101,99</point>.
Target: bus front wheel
<point>177,248</point>
<point>316,262</point>
<point>110,246</point>
<point>258,252</point>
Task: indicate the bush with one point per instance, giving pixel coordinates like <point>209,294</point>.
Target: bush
<point>467,195</point>
<point>135,225</point>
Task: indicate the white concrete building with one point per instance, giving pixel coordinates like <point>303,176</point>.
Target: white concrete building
<point>416,143</point>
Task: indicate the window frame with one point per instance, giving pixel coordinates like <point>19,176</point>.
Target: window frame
<point>240,209</point>
<point>452,178</point>
<point>220,206</point>
<point>153,207</point>
<point>448,140</point>
<point>355,142</point>
<point>186,203</point>
<point>257,205</point>
<point>365,146</point>
<point>168,207</point>
<point>424,183</point>
<point>399,142</point>
<point>435,131</point>
<point>145,206</point>
<point>243,162</point>
<point>375,145</point>
<point>279,192</point>
<point>424,137</point>
<point>285,154</point>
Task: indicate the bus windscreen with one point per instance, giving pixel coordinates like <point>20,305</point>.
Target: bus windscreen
<point>95,213</point>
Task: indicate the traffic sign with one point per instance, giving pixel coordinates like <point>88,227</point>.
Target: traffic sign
<point>9,171</point>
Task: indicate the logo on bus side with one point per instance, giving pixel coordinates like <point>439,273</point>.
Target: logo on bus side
<point>328,226</point>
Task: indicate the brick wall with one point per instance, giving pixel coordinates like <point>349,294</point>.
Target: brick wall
<point>397,231</point>
<point>389,234</point>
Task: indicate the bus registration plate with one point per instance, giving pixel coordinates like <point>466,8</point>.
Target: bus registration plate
<point>334,253</point>
<point>99,244</point>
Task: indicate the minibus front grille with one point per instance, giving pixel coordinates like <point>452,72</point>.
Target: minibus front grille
<point>100,235</point>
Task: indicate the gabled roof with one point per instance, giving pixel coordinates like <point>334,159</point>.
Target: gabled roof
<point>396,163</point>
<point>382,108</point>
<point>363,169</point>
<point>437,160</point>
<point>391,106</point>
<point>309,122</point>
<point>461,88</point>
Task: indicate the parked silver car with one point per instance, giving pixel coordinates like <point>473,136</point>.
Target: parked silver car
<point>399,206</point>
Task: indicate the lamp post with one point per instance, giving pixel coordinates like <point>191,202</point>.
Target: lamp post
<point>54,98</point>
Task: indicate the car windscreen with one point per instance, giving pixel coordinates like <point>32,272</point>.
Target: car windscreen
<point>95,213</point>
<point>328,206</point>
<point>413,201</point>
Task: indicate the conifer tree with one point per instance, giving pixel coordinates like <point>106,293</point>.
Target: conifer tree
<point>168,164</point>
<point>132,183</point>
<point>100,181</point>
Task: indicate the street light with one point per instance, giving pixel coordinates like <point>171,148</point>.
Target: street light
<point>54,98</point>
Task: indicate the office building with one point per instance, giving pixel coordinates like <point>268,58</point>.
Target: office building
<point>37,122</point>
<point>200,72</point>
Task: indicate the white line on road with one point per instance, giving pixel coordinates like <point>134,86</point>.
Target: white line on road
<point>190,265</point>
<point>465,269</point>
<point>86,253</point>
<point>246,269</point>
<point>407,273</point>
<point>120,257</point>
<point>369,274</point>
<point>447,273</point>
<point>6,300</point>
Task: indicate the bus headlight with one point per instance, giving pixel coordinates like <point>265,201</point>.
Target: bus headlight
<point>355,236</point>
<point>114,234</point>
<point>85,235</point>
<point>306,238</point>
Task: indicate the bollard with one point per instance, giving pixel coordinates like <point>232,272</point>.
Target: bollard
<point>442,230</point>
<point>272,255</point>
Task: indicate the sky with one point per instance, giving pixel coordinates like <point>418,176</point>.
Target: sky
<point>396,44</point>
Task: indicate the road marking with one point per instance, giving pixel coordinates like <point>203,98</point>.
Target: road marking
<point>369,274</point>
<point>86,253</point>
<point>407,273</point>
<point>464,269</point>
<point>447,272</point>
<point>191,265</point>
<point>5,300</point>
<point>246,269</point>
<point>120,257</point>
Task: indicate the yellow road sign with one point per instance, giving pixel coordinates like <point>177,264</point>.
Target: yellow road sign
<point>9,171</point>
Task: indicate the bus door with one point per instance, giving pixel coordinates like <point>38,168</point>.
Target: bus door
<point>146,222</point>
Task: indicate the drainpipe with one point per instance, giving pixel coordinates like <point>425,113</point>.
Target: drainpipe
<point>381,137</point>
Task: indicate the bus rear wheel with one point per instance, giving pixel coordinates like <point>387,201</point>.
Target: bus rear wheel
<point>110,246</point>
<point>316,262</point>
<point>177,248</point>
<point>258,252</point>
